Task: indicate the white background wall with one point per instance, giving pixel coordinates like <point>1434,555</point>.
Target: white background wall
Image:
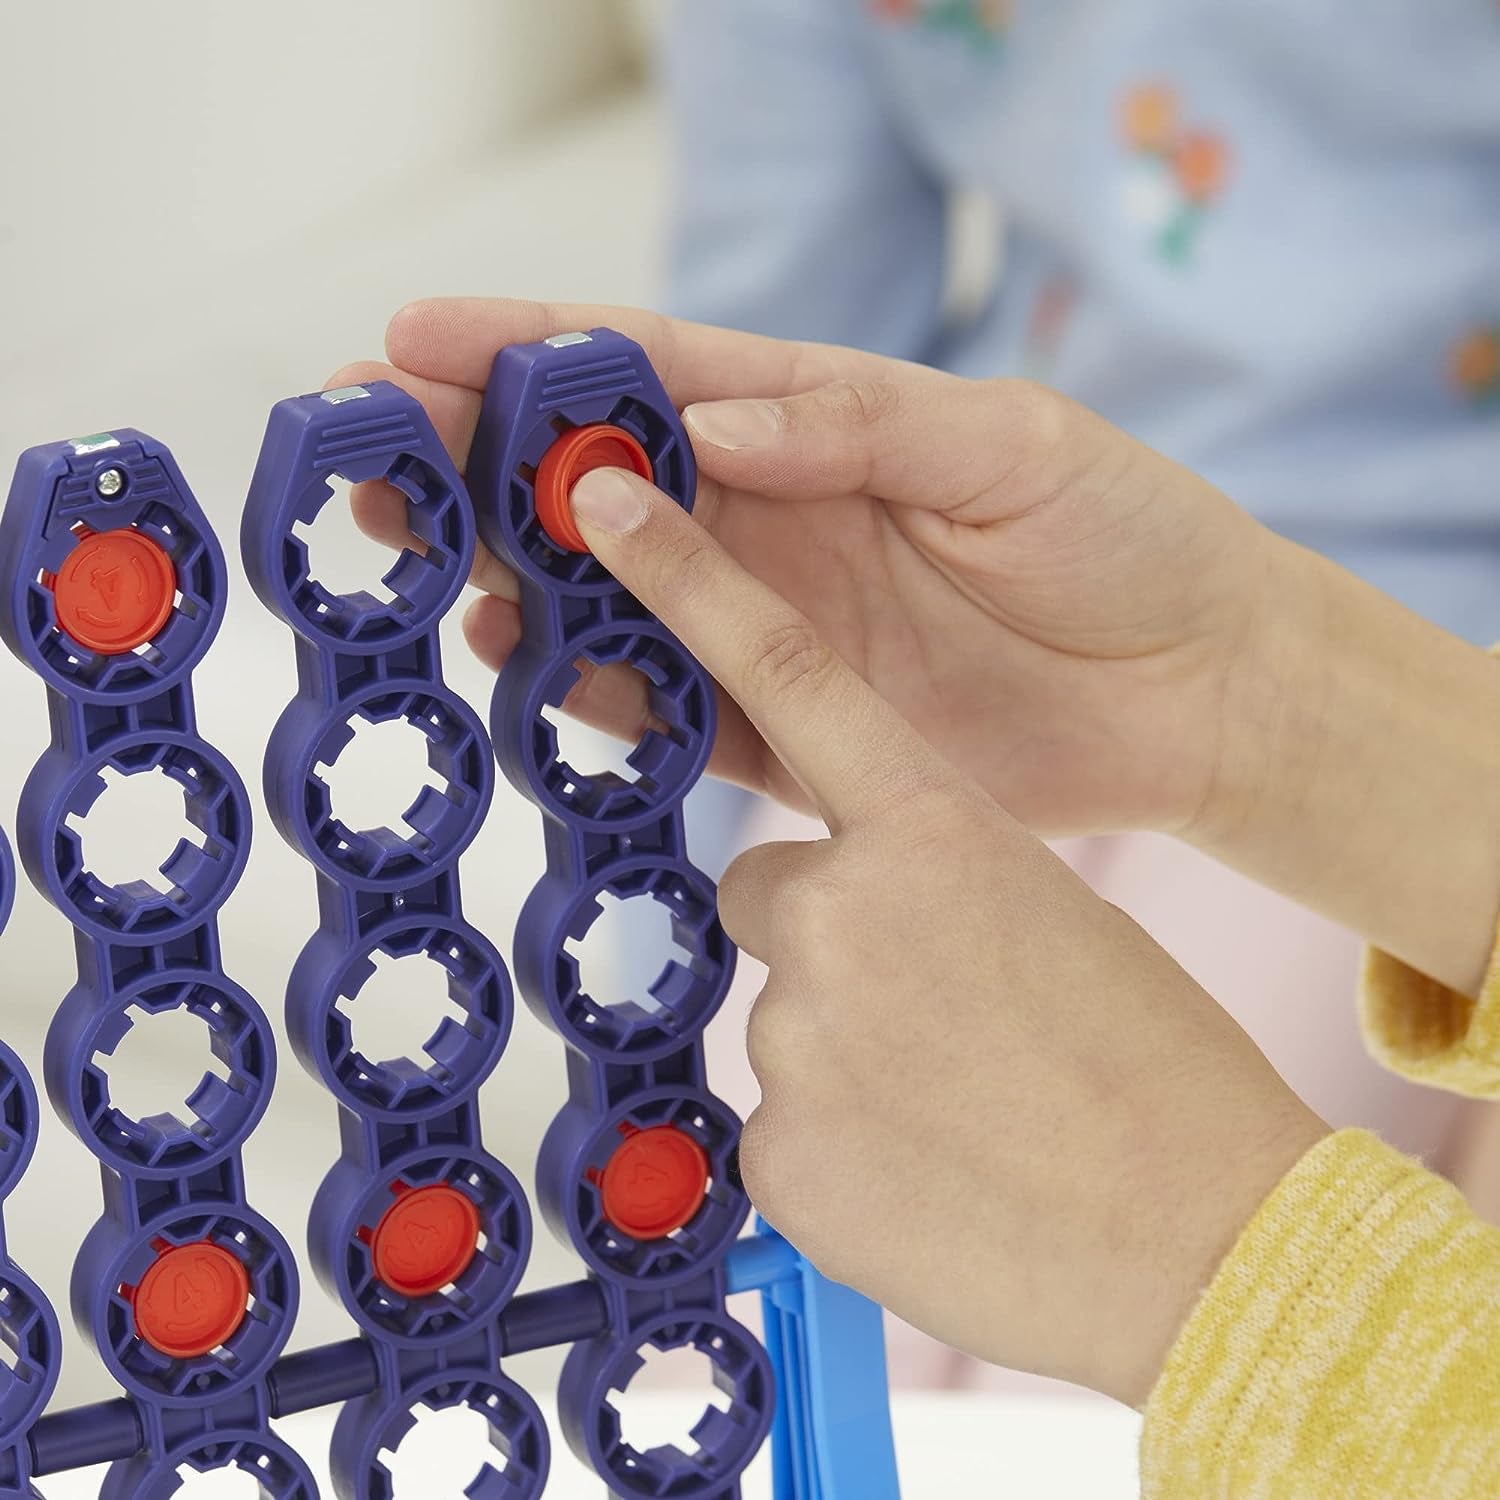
<point>148,144</point>
<point>204,208</point>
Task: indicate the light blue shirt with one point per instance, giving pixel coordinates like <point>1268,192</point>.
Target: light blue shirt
<point>1281,267</point>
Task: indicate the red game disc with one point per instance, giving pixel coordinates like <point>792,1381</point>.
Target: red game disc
<point>114,591</point>
<point>191,1300</point>
<point>596,446</point>
<point>426,1239</point>
<point>654,1183</point>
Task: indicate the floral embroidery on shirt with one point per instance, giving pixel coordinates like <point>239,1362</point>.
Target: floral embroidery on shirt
<point>1474,365</point>
<point>1176,173</point>
<point>979,22</point>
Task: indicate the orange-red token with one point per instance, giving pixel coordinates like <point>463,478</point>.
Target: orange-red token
<point>191,1300</point>
<point>114,591</point>
<point>597,446</point>
<point>426,1240</point>
<point>654,1183</point>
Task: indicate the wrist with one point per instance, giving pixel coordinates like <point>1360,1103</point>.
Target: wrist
<point>1264,715</point>
<point>1359,768</point>
<point>1209,1201</point>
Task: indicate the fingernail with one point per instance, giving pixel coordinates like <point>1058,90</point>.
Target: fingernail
<point>735,424</point>
<point>610,501</point>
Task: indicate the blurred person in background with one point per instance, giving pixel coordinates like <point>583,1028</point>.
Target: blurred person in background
<point>1264,240</point>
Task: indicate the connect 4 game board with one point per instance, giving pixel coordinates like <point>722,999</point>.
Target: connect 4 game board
<point>115,588</point>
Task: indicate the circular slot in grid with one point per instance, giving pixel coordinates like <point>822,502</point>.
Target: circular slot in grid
<point>668,758</point>
<point>442,820</point>
<point>132,826</point>
<point>662,1404</point>
<point>324,995</point>
<point>436,1244</point>
<point>343,557</point>
<point>128,607</point>
<point>198,876</point>
<point>18,1119</point>
<point>216,1116</point>
<point>370,1435</point>
<point>525,533</point>
<point>647,1194</point>
<point>32,1344</point>
<point>418,588</point>
<point>724,1439</point>
<point>181,1265</point>
<point>686,993</point>
<point>278,1472</point>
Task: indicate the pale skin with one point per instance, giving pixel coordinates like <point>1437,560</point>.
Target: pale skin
<point>948,617</point>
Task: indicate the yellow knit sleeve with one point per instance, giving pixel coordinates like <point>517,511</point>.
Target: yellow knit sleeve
<point>1418,1027</point>
<point>1349,1346</point>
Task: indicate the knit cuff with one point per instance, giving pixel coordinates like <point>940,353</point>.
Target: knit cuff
<point>1303,1357</point>
<point>1429,1033</point>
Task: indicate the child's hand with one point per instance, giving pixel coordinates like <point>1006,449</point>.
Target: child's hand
<point>990,1101</point>
<point>1067,616</point>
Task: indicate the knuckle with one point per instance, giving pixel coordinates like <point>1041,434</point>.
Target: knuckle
<point>758,1154</point>
<point>950,809</point>
<point>662,333</point>
<point>682,571</point>
<point>784,1040</point>
<point>738,892</point>
<point>740,878</point>
<point>812,366</point>
<point>790,656</point>
<point>782,1177</point>
<point>861,403</point>
<point>1037,411</point>
<point>765,1042</point>
<point>1037,422</point>
<point>814,905</point>
<point>940,823</point>
<point>832,1257</point>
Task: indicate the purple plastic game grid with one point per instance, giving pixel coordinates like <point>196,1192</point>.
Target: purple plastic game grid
<point>116,589</point>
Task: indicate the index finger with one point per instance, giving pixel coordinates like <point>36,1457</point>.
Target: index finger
<point>849,749</point>
<point>455,339</point>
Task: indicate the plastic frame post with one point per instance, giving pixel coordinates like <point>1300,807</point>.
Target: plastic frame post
<point>831,1438</point>
<point>417,1230</point>
<point>116,586</point>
